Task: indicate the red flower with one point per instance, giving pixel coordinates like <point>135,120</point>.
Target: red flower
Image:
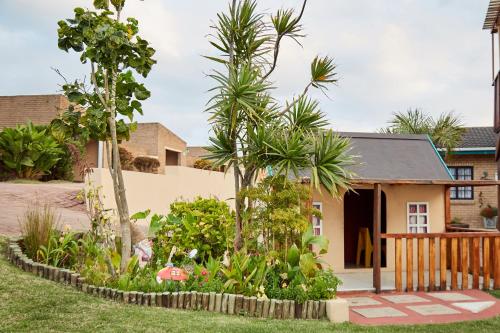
<point>204,272</point>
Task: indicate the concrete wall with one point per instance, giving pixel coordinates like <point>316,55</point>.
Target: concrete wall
<point>157,192</point>
<point>397,197</point>
<point>468,210</point>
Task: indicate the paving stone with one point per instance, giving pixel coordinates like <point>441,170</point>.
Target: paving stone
<point>362,301</point>
<point>452,297</point>
<point>474,307</point>
<point>379,312</point>
<point>401,299</point>
<point>432,309</point>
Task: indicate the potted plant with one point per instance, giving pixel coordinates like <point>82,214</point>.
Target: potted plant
<point>490,216</point>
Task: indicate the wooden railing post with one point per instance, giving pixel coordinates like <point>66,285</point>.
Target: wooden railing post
<point>454,263</point>
<point>496,283</point>
<point>442,263</point>
<point>486,263</point>
<point>432,264</point>
<point>377,242</point>
<point>409,264</point>
<point>465,266</point>
<point>421,265</point>
<point>398,265</point>
<point>475,262</point>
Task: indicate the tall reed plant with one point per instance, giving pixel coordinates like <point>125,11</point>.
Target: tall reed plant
<point>38,223</point>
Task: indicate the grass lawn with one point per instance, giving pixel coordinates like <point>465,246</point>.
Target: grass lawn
<point>32,304</point>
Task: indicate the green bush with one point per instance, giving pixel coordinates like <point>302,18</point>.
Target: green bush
<point>204,224</point>
<point>29,151</point>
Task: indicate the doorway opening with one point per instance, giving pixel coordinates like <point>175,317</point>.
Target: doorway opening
<point>172,157</point>
<point>358,229</point>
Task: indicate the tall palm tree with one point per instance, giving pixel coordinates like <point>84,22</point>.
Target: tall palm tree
<point>250,129</point>
<point>445,132</point>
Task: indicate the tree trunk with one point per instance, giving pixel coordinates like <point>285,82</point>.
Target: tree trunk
<point>118,184</point>
<point>237,206</point>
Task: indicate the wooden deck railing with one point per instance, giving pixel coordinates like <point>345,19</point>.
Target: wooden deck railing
<point>477,253</point>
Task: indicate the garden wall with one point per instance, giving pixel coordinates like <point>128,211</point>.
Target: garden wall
<point>214,302</point>
<point>157,192</point>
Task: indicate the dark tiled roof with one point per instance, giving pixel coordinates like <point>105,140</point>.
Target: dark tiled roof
<point>476,137</point>
<point>390,156</point>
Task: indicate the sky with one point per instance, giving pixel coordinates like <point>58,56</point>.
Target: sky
<point>390,56</point>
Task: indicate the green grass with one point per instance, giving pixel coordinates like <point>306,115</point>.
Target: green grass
<point>29,304</point>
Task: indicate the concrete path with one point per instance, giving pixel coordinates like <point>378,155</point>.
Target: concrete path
<point>421,307</point>
<point>14,198</point>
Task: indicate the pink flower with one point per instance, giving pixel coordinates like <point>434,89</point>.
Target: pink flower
<point>204,272</point>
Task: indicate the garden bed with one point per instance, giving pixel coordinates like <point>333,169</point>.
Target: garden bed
<point>214,302</point>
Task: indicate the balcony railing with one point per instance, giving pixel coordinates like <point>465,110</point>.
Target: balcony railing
<point>448,254</point>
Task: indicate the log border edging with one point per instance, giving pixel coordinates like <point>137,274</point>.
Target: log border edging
<point>211,302</point>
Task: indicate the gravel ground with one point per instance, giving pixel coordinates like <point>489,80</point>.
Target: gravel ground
<point>14,198</point>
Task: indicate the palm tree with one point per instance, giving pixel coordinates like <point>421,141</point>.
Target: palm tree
<point>445,132</point>
<point>250,129</point>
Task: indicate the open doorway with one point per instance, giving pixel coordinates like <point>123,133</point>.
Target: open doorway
<point>172,157</point>
<point>358,217</point>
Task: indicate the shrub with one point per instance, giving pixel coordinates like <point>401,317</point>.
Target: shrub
<point>29,150</point>
<point>203,164</point>
<point>146,164</point>
<point>126,159</point>
<point>489,212</point>
<point>37,226</point>
<point>204,224</point>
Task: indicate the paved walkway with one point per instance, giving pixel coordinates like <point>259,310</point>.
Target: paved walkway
<point>420,307</point>
<point>14,198</point>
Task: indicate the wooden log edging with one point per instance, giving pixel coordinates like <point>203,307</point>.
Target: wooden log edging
<point>211,302</point>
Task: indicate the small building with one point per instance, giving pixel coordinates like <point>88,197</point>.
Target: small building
<point>155,140</point>
<point>400,194</point>
<point>474,158</point>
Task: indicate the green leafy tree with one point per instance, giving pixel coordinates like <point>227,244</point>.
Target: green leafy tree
<point>280,211</point>
<point>251,130</point>
<point>445,131</point>
<point>114,52</point>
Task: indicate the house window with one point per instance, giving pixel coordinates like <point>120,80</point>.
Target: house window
<point>461,192</point>
<point>316,221</point>
<point>418,217</point>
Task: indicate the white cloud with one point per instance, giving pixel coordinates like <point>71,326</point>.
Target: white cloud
<point>391,55</point>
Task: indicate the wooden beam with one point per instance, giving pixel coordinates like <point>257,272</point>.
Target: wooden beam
<point>447,206</point>
<point>377,251</point>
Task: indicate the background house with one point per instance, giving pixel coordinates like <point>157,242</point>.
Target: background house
<point>155,140</point>
<point>473,159</point>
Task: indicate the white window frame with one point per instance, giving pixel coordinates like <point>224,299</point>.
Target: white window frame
<point>418,225</point>
<point>319,206</point>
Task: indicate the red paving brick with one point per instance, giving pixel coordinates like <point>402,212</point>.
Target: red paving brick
<point>415,318</point>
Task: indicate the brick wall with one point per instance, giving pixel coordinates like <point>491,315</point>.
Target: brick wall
<point>39,109</point>
<point>484,167</point>
<point>153,139</point>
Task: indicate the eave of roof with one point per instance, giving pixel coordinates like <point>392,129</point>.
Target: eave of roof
<point>491,15</point>
<point>450,182</point>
